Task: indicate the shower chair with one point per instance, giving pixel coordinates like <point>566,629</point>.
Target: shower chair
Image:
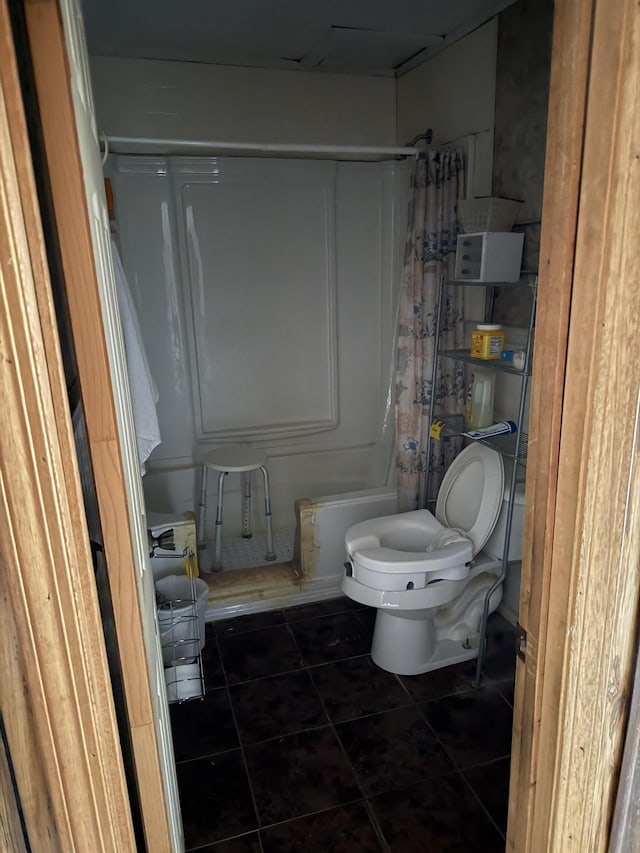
<point>236,459</point>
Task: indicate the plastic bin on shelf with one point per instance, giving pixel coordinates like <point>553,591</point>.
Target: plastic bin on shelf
<point>487,214</point>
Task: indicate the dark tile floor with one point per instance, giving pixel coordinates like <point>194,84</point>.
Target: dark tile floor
<point>303,744</point>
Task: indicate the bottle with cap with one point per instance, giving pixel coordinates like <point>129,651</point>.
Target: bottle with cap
<point>487,341</point>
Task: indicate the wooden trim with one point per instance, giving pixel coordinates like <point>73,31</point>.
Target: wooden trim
<point>625,830</point>
<point>22,735</point>
<point>596,548</point>
<point>46,559</point>
<point>52,76</point>
<point>11,831</point>
<point>565,139</point>
<point>579,602</point>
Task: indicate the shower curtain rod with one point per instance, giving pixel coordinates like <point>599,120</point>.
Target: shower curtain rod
<point>120,142</point>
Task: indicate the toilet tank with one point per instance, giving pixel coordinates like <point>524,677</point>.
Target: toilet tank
<point>495,543</point>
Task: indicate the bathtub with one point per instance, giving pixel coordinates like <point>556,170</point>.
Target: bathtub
<point>316,570</point>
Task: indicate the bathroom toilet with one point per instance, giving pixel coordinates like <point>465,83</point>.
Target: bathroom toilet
<point>428,575</point>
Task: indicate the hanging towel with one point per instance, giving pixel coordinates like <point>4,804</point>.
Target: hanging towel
<point>144,393</point>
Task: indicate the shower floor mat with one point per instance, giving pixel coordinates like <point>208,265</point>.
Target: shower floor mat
<point>239,553</point>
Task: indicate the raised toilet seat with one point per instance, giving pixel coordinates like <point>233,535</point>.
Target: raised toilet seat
<point>418,569</point>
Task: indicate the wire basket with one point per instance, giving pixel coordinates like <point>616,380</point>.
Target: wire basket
<point>181,604</point>
<point>487,214</point>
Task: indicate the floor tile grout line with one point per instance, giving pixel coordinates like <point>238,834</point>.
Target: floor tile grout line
<point>374,822</point>
<point>207,755</point>
<point>421,710</point>
<point>337,660</point>
<point>482,805</point>
<point>269,826</point>
<point>249,782</point>
<point>303,660</point>
<point>317,616</point>
<point>338,612</point>
<point>328,725</point>
<point>437,736</point>
<point>403,686</point>
<point>376,825</point>
<point>330,722</point>
<point>307,666</point>
<point>207,844</point>
<point>310,669</point>
<point>298,669</point>
<point>453,773</point>
<point>500,693</point>
<point>247,630</point>
<point>241,747</point>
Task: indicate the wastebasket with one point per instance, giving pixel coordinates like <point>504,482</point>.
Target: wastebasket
<point>182,603</point>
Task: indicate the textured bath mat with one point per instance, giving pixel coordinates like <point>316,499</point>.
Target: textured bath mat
<point>239,553</point>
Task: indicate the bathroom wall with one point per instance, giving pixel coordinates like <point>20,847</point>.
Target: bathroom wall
<point>265,290</point>
<point>203,102</point>
<point>181,100</point>
<point>522,95</point>
<point>453,93</point>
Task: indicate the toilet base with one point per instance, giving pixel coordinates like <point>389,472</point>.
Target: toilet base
<point>410,646</point>
<point>410,642</point>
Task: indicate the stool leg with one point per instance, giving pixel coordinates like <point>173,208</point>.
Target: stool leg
<point>217,555</point>
<point>202,508</point>
<point>246,505</point>
<point>270,555</point>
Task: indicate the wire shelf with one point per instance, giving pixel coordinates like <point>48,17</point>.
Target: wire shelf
<point>511,446</point>
<point>490,363</point>
<point>179,605</point>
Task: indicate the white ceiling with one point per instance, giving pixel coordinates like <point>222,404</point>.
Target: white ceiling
<point>371,37</point>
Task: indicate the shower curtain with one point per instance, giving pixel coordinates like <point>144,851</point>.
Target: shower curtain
<point>437,184</point>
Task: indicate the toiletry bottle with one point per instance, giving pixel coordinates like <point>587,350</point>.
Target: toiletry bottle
<point>487,341</point>
<point>479,404</point>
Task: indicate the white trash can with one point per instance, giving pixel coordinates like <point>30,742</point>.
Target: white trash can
<point>183,682</point>
<point>181,617</point>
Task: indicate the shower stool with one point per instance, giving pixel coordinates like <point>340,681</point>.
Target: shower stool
<point>236,460</point>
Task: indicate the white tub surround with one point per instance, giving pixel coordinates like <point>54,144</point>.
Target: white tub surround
<point>317,568</point>
<point>266,293</point>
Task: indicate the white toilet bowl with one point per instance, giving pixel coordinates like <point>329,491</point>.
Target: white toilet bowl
<point>426,575</point>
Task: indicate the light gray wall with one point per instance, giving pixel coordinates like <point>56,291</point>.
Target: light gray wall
<point>182,100</point>
<point>522,95</point>
<point>453,94</point>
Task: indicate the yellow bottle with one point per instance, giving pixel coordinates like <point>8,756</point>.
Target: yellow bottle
<point>487,341</point>
<point>478,411</point>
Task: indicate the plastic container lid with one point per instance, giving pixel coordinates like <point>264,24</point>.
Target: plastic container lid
<point>489,327</point>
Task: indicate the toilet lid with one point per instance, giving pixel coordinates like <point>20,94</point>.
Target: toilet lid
<point>470,497</point>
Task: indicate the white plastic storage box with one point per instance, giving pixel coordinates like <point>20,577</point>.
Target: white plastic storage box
<point>181,621</point>
<point>487,214</point>
<point>489,256</point>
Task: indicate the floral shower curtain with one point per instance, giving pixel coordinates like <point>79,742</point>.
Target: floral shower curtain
<point>437,184</point>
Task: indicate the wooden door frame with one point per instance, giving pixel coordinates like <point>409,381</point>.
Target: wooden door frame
<point>51,70</point>
<point>581,572</point>
<point>55,695</point>
<point>578,452</point>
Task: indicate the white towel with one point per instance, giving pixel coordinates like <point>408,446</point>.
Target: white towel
<point>447,536</point>
<point>144,393</point>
